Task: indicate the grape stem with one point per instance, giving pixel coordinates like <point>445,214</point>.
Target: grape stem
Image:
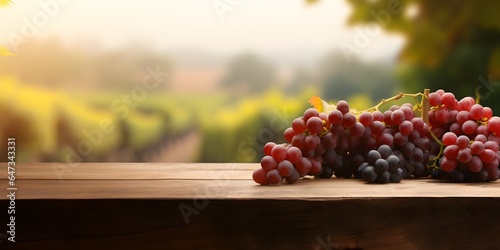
<point>394,98</point>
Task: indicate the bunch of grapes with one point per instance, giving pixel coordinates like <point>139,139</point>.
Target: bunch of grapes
<point>388,146</point>
<point>468,132</point>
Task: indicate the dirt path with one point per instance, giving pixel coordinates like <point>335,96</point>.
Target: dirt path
<point>184,149</point>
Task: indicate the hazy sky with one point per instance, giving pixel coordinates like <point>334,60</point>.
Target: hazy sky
<point>282,28</point>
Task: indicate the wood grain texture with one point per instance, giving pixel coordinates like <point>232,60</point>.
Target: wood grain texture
<point>213,181</point>
<point>138,206</point>
<point>396,223</point>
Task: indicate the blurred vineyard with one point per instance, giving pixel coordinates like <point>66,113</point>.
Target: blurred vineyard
<point>69,126</point>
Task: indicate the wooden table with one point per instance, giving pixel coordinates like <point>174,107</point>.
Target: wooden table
<point>218,206</point>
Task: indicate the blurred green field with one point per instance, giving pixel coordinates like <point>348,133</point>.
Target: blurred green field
<point>100,126</point>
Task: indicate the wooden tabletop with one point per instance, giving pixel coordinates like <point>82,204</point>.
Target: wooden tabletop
<point>209,181</point>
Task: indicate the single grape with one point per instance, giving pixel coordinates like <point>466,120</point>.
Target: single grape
<point>381,166</point>
<point>442,114</point>
<point>488,156</point>
<point>335,117</point>
<point>418,123</point>
<point>493,174</point>
<point>383,178</point>
<point>453,116</point>
<point>361,168</point>
<point>337,129</point>
<point>407,149</point>
<point>434,99</point>
<point>477,147</point>
<point>423,143</point>
<point>448,99</point>
<point>448,165</point>
<point>469,127</point>
<point>298,140</point>
<point>464,155</point>
<point>463,141</point>
<point>289,134</point>
<point>488,112</point>
<point>259,176</point>
<point>400,139</point>
<point>378,116</point>
<point>475,164</point>
<point>366,118</point>
<point>385,138</point>
<point>303,166</point>
<point>491,145</point>
<point>482,175</point>
<point>377,127</point>
<point>298,125</point>
<point>384,151</point>
<point>372,156</point>
<point>456,129</point>
<point>330,141</point>
<point>393,162</point>
<point>312,141</point>
<point>457,176</point>
<point>268,163</point>
<point>397,117</point>
<point>481,137</point>
<point>294,177</point>
<point>343,106</point>
<point>463,116</point>
<point>268,147</point>
<point>387,117</point>
<point>466,103</point>
<point>279,153</point>
<point>293,154</point>
<point>357,130</point>
<point>476,112</point>
<point>274,176</point>
<point>327,173</point>
<point>451,152</point>
<point>494,124</point>
<point>369,174</point>
<point>316,167</point>
<point>418,155</point>
<point>482,129</point>
<point>349,120</point>
<point>310,112</point>
<point>285,168</point>
<point>314,125</point>
<point>406,127</point>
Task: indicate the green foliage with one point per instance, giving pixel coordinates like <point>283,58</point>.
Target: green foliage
<point>450,44</point>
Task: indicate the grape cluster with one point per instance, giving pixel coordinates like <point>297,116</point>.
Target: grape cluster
<point>468,132</point>
<point>459,142</point>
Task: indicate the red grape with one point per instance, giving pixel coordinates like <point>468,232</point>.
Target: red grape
<point>343,107</point>
<point>293,154</point>
<point>268,147</point>
<point>298,125</point>
<point>476,112</point>
<point>278,153</point>
<point>434,99</point>
<point>259,176</point>
<point>449,138</point>
<point>314,125</point>
<point>366,119</point>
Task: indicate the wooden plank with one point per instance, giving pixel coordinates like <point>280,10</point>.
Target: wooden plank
<point>132,171</point>
<point>396,223</point>
<point>307,189</point>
